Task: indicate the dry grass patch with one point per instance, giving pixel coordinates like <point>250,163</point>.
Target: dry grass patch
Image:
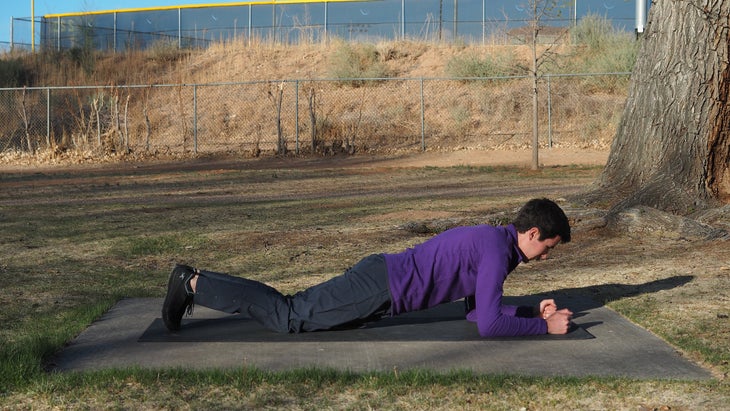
<point>79,239</point>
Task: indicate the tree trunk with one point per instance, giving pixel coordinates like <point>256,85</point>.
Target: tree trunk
<point>672,147</point>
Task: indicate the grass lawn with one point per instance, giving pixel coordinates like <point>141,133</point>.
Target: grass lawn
<point>75,240</point>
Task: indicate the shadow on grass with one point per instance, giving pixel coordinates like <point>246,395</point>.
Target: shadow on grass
<point>595,296</point>
<point>582,299</point>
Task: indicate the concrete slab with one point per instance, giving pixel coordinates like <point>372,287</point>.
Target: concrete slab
<point>619,348</point>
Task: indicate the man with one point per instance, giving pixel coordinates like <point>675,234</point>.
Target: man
<point>464,262</point>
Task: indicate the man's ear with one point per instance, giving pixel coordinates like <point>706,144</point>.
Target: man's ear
<point>533,233</point>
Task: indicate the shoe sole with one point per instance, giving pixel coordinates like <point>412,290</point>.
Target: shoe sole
<point>172,326</point>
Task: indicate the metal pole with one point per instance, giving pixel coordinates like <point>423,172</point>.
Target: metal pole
<point>456,19</point>
<point>249,25</point>
<point>195,118</point>
<point>550,114</point>
<point>484,22</point>
<point>48,117</point>
<point>441,18</point>
<point>640,16</point>
<point>115,32</point>
<point>403,19</point>
<point>179,28</point>
<point>296,115</point>
<point>58,34</point>
<point>32,25</point>
<point>325,21</point>
<point>12,43</point>
<point>423,120</point>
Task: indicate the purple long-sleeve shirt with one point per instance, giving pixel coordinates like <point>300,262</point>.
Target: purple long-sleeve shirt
<point>457,263</point>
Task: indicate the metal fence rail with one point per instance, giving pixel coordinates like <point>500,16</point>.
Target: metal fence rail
<point>300,116</point>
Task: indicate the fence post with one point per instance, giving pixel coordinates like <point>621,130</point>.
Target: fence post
<point>484,23</point>
<point>48,117</point>
<point>325,21</point>
<point>249,23</point>
<point>549,113</point>
<point>114,33</point>
<point>195,118</point>
<point>179,28</point>
<point>296,116</point>
<point>423,120</point>
<point>403,19</point>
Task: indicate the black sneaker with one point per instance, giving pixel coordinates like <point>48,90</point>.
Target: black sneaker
<point>179,299</point>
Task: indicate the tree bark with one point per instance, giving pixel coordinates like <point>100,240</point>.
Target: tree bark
<point>672,147</point>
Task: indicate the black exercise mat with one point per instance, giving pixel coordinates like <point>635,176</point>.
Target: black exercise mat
<point>443,323</point>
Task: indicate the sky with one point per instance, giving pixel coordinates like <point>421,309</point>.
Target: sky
<point>22,9</point>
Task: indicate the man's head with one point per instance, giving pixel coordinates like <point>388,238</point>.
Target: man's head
<point>541,225</point>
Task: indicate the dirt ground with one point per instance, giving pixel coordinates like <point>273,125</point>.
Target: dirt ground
<point>469,157</point>
<point>547,157</point>
<point>557,156</point>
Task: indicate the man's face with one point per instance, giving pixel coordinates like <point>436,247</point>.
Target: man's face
<point>535,249</point>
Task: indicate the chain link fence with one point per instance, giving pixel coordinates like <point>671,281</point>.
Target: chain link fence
<point>312,116</point>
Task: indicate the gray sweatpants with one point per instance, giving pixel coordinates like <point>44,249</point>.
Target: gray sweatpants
<point>360,294</point>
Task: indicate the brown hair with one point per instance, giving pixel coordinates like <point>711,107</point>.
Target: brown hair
<point>547,216</point>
